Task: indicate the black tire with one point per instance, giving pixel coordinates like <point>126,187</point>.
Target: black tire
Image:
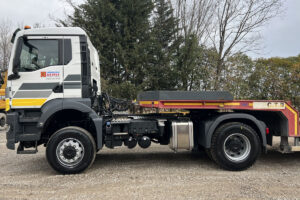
<point>222,146</point>
<point>82,138</point>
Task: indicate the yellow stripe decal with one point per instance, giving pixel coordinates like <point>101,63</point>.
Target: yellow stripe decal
<point>222,104</point>
<point>28,102</point>
<point>7,107</point>
<point>149,102</point>
<point>232,104</point>
<point>295,116</point>
<point>166,112</point>
<point>214,104</point>
<point>183,104</point>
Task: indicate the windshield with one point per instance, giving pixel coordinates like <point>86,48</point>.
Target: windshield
<point>37,54</point>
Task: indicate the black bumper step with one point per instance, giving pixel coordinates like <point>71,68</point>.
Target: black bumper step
<point>28,137</point>
<point>21,149</point>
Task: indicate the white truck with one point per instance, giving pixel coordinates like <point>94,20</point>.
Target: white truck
<point>54,98</point>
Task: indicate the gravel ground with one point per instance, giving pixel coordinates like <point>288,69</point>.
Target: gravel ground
<point>155,173</point>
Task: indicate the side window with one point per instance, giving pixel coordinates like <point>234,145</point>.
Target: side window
<point>38,54</point>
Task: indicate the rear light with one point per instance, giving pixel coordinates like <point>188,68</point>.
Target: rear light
<point>267,131</point>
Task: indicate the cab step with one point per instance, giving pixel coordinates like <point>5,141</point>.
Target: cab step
<point>21,149</point>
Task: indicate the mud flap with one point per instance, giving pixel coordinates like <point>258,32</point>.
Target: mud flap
<point>13,123</point>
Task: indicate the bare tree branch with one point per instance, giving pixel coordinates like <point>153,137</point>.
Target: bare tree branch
<point>195,17</point>
<point>236,25</point>
<point>5,45</point>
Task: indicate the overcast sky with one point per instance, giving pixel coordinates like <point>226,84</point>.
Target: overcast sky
<point>281,37</point>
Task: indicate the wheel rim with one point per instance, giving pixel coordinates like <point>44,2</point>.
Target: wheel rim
<point>237,147</point>
<point>70,152</point>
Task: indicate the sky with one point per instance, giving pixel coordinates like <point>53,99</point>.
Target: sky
<point>281,37</point>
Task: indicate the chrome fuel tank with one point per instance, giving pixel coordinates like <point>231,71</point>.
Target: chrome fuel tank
<point>182,136</point>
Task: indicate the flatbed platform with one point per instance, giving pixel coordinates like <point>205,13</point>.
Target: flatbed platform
<point>218,101</point>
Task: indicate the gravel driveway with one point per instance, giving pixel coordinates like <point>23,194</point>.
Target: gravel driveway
<point>155,173</point>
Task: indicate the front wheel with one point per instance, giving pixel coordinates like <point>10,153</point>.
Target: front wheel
<point>235,146</point>
<point>71,150</point>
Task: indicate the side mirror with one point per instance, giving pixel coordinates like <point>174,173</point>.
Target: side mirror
<point>13,76</point>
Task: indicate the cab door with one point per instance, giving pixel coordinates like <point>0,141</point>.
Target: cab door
<point>40,68</point>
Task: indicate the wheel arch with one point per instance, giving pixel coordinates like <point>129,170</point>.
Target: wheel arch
<point>71,106</point>
<point>250,120</point>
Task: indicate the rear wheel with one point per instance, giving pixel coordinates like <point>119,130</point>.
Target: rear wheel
<point>71,150</point>
<point>235,146</point>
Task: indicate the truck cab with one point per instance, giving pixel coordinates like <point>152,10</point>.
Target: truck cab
<point>51,63</point>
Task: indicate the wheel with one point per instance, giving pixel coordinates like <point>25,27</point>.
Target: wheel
<point>235,146</point>
<point>71,150</point>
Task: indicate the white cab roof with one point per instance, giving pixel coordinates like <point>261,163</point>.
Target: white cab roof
<point>53,31</point>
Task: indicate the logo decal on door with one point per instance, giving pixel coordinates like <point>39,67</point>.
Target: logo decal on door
<point>43,74</point>
<point>50,75</point>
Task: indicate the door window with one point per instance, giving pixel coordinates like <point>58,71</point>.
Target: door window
<point>38,54</point>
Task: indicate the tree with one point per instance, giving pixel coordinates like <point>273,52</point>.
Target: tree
<point>195,17</point>
<point>235,24</point>
<point>161,73</point>
<point>236,76</point>
<point>5,44</point>
<point>276,78</point>
<point>295,83</point>
<point>190,64</point>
